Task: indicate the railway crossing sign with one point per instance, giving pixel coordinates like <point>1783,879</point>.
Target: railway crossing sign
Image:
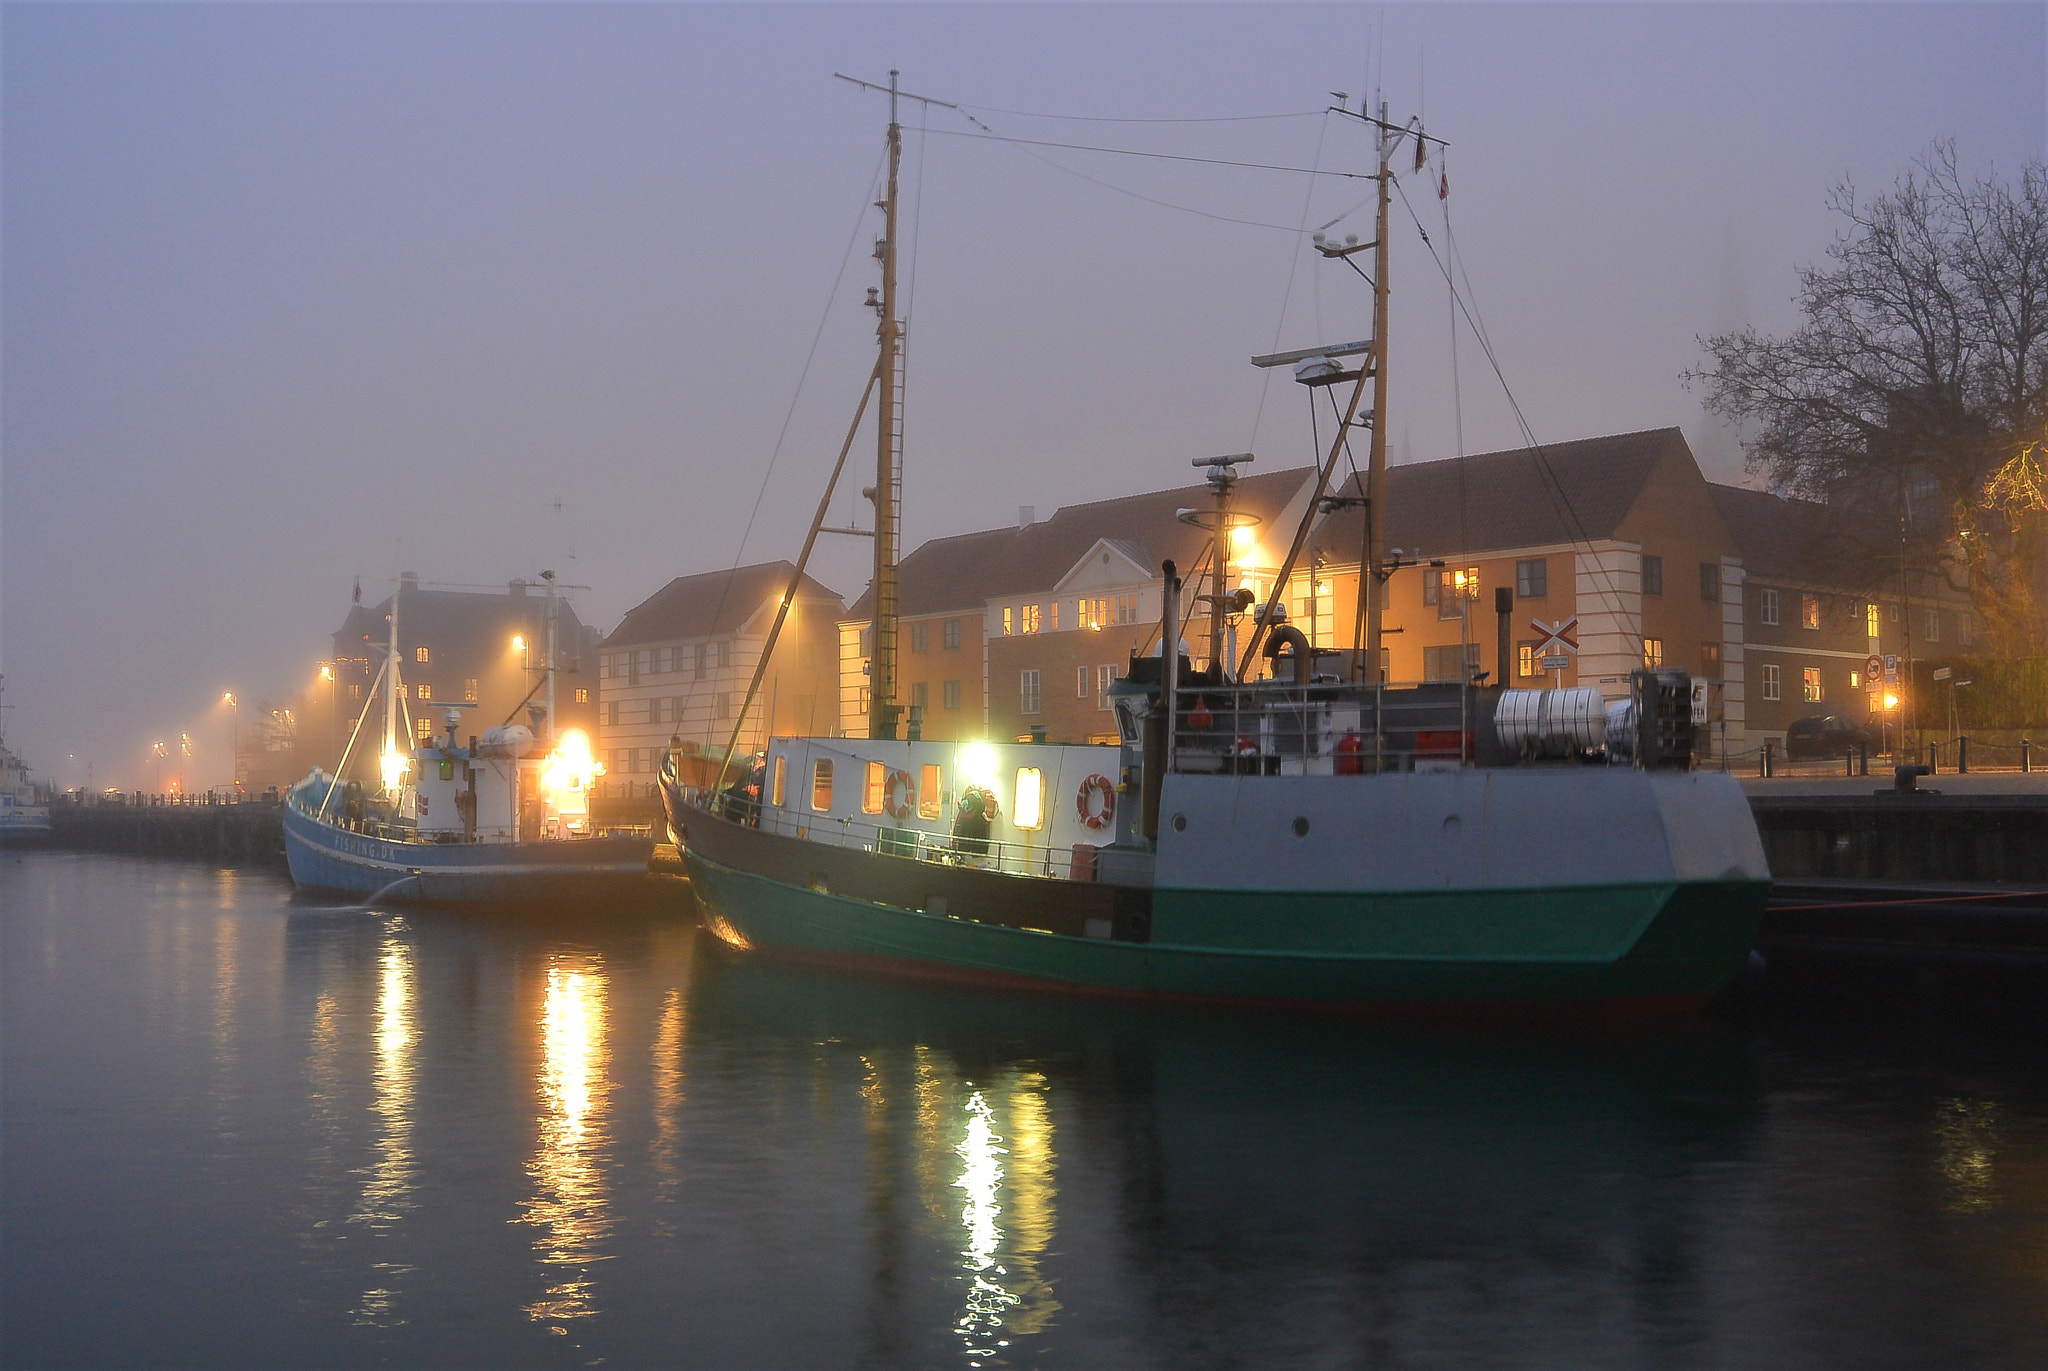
<point>1558,638</point>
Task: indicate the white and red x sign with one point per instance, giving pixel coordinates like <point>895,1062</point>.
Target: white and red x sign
<point>1559,637</point>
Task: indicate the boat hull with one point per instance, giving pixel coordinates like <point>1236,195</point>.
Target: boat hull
<point>1667,943</point>
<point>567,871</point>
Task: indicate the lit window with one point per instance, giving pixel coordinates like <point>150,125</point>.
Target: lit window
<point>1532,579</point>
<point>1710,660</point>
<point>1029,811</point>
<point>1052,617</point>
<point>469,687</point>
<point>821,785</point>
<point>1871,619</point>
<point>583,695</point>
<point>952,695</point>
<point>1770,682</point>
<point>419,654</point>
<point>929,791</point>
<point>1809,611</point>
<point>425,729</point>
<point>777,779</point>
<point>949,633</point>
<point>1653,575</point>
<point>1007,627</point>
<point>1653,653</point>
<point>876,782</point>
<point>1767,605</point>
<point>860,701</point>
<point>1809,685</point>
<point>1855,680</point>
<point>1027,619</point>
<point>1027,691</point>
<point>423,691</point>
<point>1525,659</point>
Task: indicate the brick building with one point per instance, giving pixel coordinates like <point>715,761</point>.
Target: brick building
<point>463,647</point>
<point>1024,627</point>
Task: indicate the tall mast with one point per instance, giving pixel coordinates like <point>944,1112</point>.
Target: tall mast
<point>888,489</point>
<point>391,686</point>
<point>888,458</point>
<point>549,578</point>
<point>1369,583</point>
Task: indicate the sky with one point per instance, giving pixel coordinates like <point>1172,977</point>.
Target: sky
<point>296,294</point>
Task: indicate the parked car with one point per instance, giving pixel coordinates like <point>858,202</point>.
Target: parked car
<point>1824,736</point>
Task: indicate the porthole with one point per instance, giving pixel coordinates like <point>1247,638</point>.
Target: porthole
<point>1180,823</point>
<point>1301,825</point>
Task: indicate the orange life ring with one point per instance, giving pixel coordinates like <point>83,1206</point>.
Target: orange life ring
<point>1092,818</point>
<point>899,794</point>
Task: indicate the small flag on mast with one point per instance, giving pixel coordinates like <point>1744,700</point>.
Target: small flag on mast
<point>1443,185</point>
<point>1421,150</point>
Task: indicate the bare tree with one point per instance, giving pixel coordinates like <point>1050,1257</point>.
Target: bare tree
<point>1914,396</point>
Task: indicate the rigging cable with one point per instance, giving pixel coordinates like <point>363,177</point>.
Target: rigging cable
<point>1287,294</point>
<point>1560,501</point>
<point>1114,119</point>
<point>803,373</point>
<point>990,135</point>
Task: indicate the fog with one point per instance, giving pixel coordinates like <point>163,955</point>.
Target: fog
<point>300,294</point>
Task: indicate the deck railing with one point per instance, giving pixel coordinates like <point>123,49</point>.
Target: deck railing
<point>1011,857</point>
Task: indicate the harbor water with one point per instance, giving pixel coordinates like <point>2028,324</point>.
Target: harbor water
<point>247,1128</point>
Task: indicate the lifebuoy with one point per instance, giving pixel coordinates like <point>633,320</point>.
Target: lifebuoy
<point>1084,800</point>
<point>899,794</point>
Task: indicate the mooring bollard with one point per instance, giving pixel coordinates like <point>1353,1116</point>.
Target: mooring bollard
<point>1934,759</point>
<point>1764,760</point>
<point>1849,761</point>
<point>1863,759</point>
<point>2026,755</point>
<point>1963,755</point>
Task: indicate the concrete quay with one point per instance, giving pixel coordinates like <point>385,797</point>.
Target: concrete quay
<point>244,832</point>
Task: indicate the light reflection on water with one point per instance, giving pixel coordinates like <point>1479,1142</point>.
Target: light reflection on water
<point>569,1204</point>
<point>461,1118</point>
<point>387,1192</point>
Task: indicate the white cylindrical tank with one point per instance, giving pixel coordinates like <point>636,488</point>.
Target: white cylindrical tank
<point>505,740</point>
<point>1552,723</point>
<point>1621,729</point>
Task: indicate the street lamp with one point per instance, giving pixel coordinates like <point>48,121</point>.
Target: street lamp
<point>235,714</point>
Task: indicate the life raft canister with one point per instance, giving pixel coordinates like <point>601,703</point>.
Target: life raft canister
<point>1350,754</point>
<point>1096,817</point>
<point>899,794</point>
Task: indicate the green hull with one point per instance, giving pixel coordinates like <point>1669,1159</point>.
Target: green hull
<point>1621,943</point>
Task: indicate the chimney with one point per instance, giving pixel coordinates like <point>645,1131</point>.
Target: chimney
<point>1027,515</point>
<point>409,579</point>
<point>516,586</point>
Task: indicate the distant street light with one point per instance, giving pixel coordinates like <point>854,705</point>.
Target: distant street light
<point>235,714</point>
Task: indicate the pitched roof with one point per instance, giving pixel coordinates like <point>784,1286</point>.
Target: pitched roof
<point>964,571</point>
<point>1567,493</point>
<point>712,603</point>
<point>462,625</point>
<point>1808,541</point>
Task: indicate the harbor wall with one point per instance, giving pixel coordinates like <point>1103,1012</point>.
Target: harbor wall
<point>244,832</point>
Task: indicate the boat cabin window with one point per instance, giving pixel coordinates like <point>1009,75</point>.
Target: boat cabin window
<point>876,782</point>
<point>775,783</point>
<point>1029,811</point>
<point>821,785</point>
<point>1127,720</point>
<point>930,787</point>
